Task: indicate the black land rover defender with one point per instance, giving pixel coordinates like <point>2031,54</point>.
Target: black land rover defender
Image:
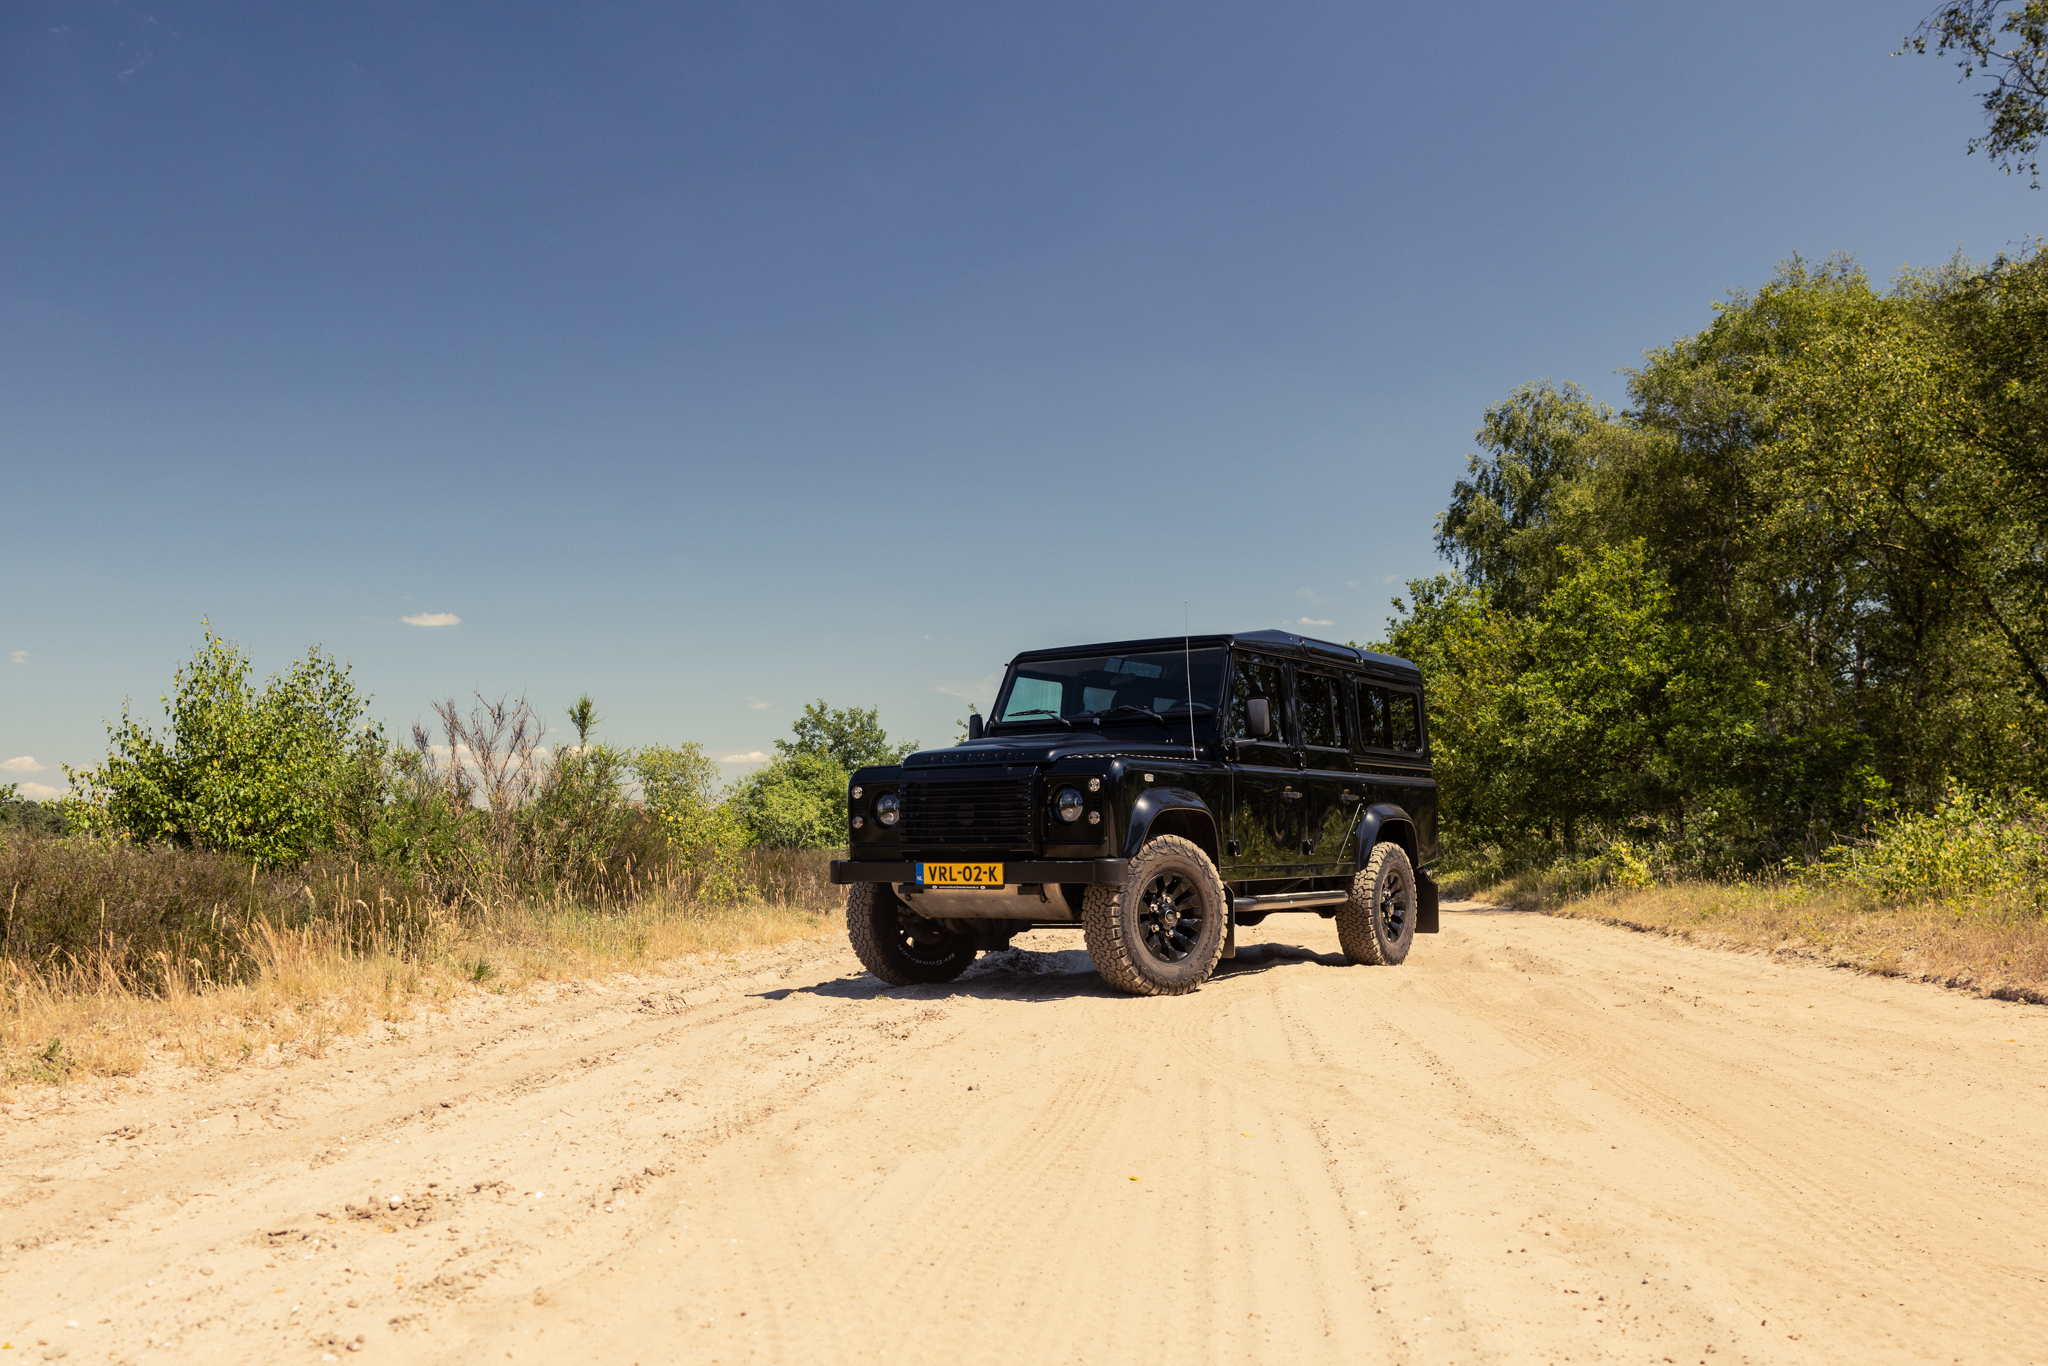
<point>1157,793</point>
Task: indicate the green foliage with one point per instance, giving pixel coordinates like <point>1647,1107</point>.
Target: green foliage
<point>2007,42</point>
<point>21,813</point>
<point>679,786</point>
<point>850,737</point>
<point>1804,575</point>
<point>274,775</point>
<point>796,802</point>
<point>1502,526</point>
<point>1968,845</point>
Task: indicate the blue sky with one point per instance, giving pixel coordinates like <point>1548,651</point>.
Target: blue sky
<point>716,358</point>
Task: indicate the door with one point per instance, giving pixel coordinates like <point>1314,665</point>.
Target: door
<point>1268,791</point>
<point>1331,806</point>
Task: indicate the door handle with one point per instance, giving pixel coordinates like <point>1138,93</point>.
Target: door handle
<point>1289,793</point>
<point>1353,797</point>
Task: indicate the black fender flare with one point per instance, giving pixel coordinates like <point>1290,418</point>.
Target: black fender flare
<point>1384,820</point>
<point>1184,813</point>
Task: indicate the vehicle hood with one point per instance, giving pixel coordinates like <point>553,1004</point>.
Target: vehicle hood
<point>1011,750</point>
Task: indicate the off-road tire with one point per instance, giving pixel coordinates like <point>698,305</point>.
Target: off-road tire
<point>1377,925</point>
<point>1130,939</point>
<point>901,951</point>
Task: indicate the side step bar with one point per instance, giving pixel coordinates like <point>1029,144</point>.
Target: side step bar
<point>1286,901</point>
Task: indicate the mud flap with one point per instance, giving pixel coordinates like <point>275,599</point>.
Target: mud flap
<point>1425,902</point>
<point>1229,929</point>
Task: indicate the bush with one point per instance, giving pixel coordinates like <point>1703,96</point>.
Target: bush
<point>23,814</point>
<point>273,776</point>
<point>796,802</point>
<point>1969,845</point>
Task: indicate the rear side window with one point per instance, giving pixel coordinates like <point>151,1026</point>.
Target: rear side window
<point>1389,718</point>
<point>1404,721</point>
<point>1322,711</point>
<point>1255,677</point>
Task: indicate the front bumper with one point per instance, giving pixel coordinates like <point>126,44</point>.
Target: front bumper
<point>1080,870</point>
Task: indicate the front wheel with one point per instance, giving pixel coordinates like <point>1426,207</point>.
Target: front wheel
<point>1161,932</point>
<point>900,948</point>
<point>1377,925</point>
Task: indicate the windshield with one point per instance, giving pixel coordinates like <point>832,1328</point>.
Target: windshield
<point>1111,688</point>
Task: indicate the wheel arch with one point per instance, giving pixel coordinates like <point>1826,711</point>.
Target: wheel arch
<point>1385,821</point>
<point>1172,811</point>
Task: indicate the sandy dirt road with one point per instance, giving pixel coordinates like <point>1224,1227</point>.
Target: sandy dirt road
<point>1541,1140</point>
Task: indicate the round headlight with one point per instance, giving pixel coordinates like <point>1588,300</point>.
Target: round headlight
<point>888,808</point>
<point>1068,804</point>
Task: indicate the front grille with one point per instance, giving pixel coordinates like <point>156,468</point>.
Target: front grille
<point>994,812</point>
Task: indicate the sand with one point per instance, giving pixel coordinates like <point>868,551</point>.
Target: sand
<point>1539,1140</point>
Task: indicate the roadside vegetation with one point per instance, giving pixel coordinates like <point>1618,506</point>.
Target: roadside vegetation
<point>1768,650</point>
<point>268,870</point>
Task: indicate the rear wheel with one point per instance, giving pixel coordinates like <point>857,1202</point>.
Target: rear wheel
<point>1377,925</point>
<point>900,948</point>
<point>1161,932</point>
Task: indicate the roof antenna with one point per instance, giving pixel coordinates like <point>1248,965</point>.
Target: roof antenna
<point>1187,655</point>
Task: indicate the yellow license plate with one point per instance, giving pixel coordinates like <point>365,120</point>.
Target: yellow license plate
<point>960,874</point>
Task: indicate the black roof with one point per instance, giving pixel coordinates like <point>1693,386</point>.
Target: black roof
<point>1273,642</point>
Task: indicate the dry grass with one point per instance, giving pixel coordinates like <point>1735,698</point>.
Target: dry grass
<point>301,984</point>
<point>1993,946</point>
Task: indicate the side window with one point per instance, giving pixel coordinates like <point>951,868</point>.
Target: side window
<point>1322,711</point>
<point>1372,717</point>
<point>1255,677</point>
<point>1404,726</point>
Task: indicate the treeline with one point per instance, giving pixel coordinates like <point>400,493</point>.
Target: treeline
<point>1800,584</point>
<point>478,805</point>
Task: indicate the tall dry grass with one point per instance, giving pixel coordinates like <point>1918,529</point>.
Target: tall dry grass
<point>113,958</point>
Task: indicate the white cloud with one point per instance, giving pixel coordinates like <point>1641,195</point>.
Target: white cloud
<point>433,619</point>
<point>752,705</point>
<point>756,757</point>
<point>24,763</point>
<point>40,792</point>
<point>1314,621</point>
<point>19,656</point>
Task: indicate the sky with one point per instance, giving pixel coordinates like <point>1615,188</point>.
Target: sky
<point>713,359</point>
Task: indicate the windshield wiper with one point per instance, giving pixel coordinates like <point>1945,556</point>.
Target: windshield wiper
<point>1046,712</point>
<point>1128,709</point>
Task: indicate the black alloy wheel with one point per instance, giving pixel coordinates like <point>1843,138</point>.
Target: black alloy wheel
<point>1169,916</point>
<point>1160,931</point>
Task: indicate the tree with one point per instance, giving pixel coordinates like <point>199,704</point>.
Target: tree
<point>851,738</point>
<point>796,802</point>
<point>1503,525</point>
<point>2007,42</point>
<point>1804,574</point>
<point>269,775</point>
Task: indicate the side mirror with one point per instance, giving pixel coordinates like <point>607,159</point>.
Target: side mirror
<point>974,725</point>
<point>1258,715</point>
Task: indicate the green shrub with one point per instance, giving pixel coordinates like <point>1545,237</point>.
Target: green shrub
<point>796,802</point>
<point>24,814</point>
<point>273,775</point>
<point>1969,845</point>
